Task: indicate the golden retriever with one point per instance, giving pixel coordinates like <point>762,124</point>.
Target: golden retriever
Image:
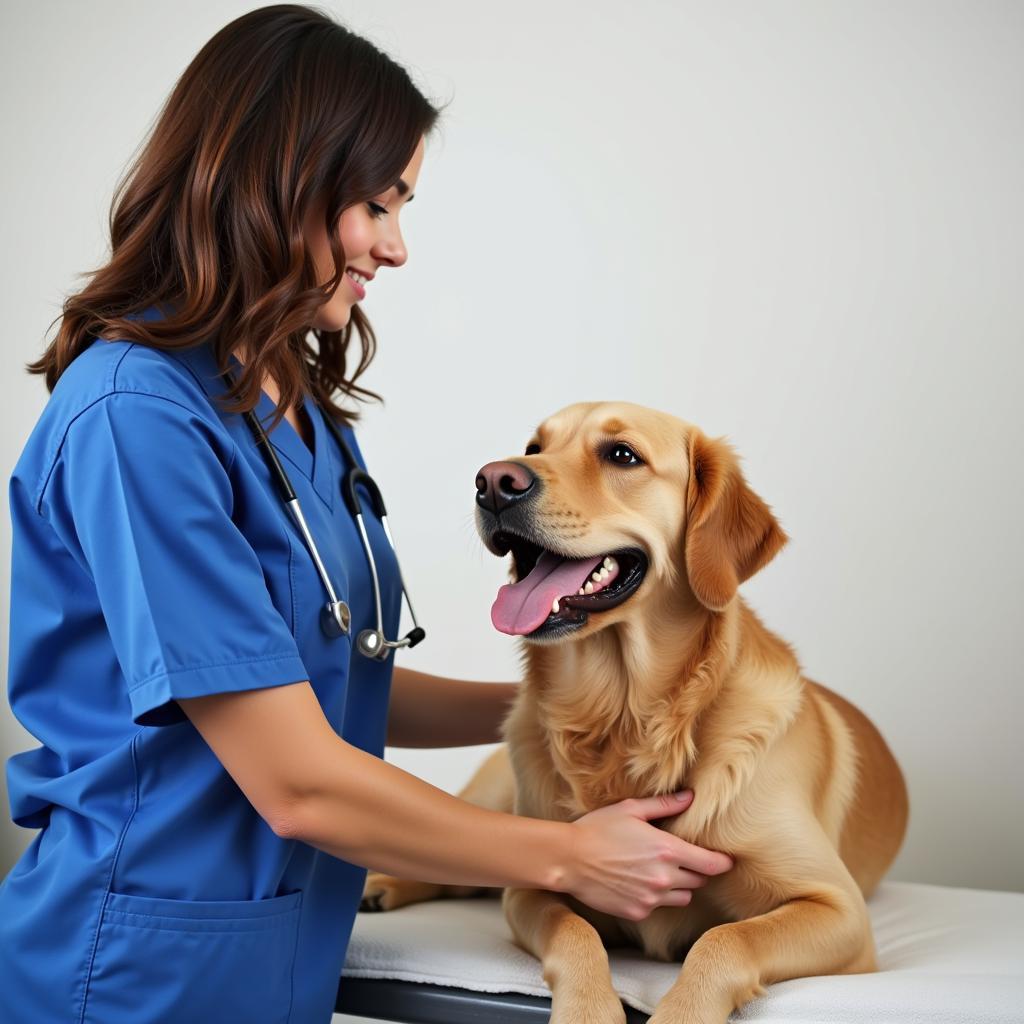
<point>656,677</point>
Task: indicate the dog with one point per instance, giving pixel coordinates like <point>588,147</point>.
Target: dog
<point>655,675</point>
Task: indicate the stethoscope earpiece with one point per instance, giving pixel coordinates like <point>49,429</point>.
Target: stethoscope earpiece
<point>335,616</point>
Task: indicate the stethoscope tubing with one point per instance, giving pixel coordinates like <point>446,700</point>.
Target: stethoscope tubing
<point>336,616</point>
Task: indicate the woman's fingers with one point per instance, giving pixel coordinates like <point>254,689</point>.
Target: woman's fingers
<point>694,858</point>
<point>690,879</point>
<point>623,865</point>
<point>676,898</point>
<point>701,861</point>
<point>664,806</point>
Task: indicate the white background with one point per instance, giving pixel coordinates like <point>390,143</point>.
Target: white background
<point>795,224</point>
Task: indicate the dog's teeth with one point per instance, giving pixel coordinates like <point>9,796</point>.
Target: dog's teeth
<point>609,563</point>
<point>596,577</point>
<point>554,606</point>
<point>605,574</point>
<point>589,588</point>
<point>580,591</point>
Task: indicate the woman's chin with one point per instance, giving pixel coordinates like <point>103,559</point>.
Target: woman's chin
<point>331,318</point>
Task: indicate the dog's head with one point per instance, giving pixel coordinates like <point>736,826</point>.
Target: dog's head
<point>614,503</point>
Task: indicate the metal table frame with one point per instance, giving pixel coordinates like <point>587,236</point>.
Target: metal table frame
<point>411,1002</point>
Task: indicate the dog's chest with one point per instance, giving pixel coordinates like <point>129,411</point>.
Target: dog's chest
<point>592,772</point>
<point>599,750</point>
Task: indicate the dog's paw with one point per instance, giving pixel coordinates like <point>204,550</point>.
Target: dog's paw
<point>383,892</point>
<point>597,1005</point>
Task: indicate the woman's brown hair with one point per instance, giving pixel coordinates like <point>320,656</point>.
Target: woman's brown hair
<point>281,110</point>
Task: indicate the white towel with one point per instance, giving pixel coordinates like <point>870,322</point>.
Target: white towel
<point>946,956</point>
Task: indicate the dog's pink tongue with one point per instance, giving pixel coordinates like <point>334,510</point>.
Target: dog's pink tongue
<point>521,607</point>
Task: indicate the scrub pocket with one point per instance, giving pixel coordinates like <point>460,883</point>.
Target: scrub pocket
<point>160,960</point>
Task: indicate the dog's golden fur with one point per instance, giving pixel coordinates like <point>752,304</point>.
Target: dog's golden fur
<point>683,686</point>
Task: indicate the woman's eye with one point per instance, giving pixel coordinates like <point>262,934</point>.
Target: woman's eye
<point>623,455</point>
<point>377,210</point>
<point>532,449</point>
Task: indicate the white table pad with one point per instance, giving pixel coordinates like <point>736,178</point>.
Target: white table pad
<point>946,956</point>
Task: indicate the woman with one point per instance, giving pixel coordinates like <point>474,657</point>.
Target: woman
<point>210,785</point>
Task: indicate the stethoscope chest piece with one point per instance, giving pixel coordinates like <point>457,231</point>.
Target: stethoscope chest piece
<point>372,644</point>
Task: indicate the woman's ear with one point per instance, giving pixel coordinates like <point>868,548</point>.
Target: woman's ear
<point>730,531</point>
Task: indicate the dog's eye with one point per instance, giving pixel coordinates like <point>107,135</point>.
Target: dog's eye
<point>532,449</point>
<point>622,455</point>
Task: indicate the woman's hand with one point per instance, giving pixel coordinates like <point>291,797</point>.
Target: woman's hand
<point>624,866</point>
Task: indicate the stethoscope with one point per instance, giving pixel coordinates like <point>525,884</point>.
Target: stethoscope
<point>335,616</point>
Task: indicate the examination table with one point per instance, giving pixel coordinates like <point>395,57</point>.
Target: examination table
<point>946,956</point>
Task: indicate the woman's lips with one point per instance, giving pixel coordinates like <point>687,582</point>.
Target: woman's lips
<point>356,286</point>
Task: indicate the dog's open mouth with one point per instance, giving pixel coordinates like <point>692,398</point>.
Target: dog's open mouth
<point>555,593</point>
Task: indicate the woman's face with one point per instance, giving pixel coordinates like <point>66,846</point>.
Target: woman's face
<point>371,239</point>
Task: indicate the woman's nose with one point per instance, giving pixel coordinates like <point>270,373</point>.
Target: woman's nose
<point>390,248</point>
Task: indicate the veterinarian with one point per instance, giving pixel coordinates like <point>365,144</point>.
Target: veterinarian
<point>211,698</point>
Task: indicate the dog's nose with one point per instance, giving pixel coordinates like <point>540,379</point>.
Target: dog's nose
<point>500,484</point>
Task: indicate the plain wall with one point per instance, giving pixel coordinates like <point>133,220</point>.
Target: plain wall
<point>796,224</point>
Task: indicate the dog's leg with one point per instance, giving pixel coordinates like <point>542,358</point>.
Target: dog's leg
<point>824,931</point>
<point>385,892</point>
<point>573,958</point>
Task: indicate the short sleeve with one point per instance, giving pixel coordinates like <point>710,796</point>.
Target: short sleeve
<point>141,494</point>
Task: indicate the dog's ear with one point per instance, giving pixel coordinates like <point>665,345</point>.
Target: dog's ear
<point>730,531</point>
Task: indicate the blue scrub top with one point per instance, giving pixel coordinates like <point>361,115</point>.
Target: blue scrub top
<point>153,559</point>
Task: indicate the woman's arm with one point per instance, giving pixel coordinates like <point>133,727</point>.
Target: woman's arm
<point>309,784</point>
<point>433,711</point>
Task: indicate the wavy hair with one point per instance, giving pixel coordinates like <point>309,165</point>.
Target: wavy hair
<point>281,110</point>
